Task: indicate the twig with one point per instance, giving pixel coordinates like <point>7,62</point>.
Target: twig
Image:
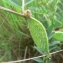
<point>33,57</point>
<point>11,11</point>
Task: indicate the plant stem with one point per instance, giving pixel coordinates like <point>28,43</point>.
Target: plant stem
<point>11,11</point>
<point>23,6</point>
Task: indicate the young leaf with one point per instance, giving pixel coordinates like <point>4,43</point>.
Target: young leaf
<point>58,35</point>
<point>39,34</point>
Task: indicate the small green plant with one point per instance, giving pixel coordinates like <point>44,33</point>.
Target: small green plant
<point>43,27</point>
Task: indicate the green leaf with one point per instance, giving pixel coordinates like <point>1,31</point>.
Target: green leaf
<point>19,3</point>
<point>58,35</point>
<point>39,10</point>
<point>46,0</point>
<point>40,51</point>
<point>57,23</point>
<point>16,2</point>
<point>38,60</point>
<point>54,43</point>
<point>51,35</point>
<point>6,1</point>
<point>39,34</point>
<point>49,29</point>
<point>28,1</point>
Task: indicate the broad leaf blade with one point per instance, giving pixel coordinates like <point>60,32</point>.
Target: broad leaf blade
<point>39,34</point>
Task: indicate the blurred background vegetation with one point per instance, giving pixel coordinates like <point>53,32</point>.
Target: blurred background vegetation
<point>14,34</point>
